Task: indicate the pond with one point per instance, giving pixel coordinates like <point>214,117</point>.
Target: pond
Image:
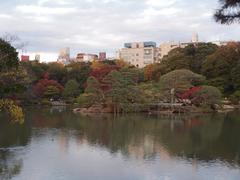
<point>56,144</point>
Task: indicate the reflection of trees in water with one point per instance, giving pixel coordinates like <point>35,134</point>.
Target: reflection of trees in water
<point>11,136</point>
<point>204,137</point>
<point>9,165</point>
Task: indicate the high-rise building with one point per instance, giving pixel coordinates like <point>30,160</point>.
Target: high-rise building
<point>37,57</point>
<point>195,37</point>
<point>139,54</point>
<point>64,56</point>
<point>102,56</point>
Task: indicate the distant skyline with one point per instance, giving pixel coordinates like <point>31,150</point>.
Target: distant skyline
<point>104,25</point>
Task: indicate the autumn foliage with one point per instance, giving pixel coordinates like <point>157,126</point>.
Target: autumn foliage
<point>43,85</point>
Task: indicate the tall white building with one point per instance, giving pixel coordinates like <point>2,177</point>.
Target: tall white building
<point>64,55</point>
<point>139,54</point>
<point>195,37</point>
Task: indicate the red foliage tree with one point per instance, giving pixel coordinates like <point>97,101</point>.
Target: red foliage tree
<point>101,72</point>
<point>43,84</point>
<point>189,93</point>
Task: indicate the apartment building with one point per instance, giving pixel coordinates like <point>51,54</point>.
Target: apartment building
<point>83,57</point>
<point>139,54</point>
<point>165,48</point>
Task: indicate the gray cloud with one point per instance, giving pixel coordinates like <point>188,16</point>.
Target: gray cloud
<point>104,25</point>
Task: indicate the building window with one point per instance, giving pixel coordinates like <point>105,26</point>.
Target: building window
<point>137,54</point>
<point>137,45</point>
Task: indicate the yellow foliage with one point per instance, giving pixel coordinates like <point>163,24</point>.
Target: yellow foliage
<point>97,65</point>
<point>15,112</point>
<point>148,72</point>
<point>122,63</point>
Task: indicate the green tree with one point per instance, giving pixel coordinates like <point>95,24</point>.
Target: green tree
<point>191,57</point>
<point>8,56</point>
<point>121,90</point>
<point>13,82</point>
<point>208,95</point>
<point>51,92</point>
<point>57,72</point>
<point>86,99</point>
<point>9,79</point>
<point>219,67</point>
<point>235,76</point>
<point>71,89</point>
<point>178,81</point>
<point>80,72</point>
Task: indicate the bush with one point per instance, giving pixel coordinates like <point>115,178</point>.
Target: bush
<point>235,97</point>
<point>207,95</point>
<point>86,99</point>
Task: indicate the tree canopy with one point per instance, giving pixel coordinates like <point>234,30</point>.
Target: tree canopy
<point>229,12</point>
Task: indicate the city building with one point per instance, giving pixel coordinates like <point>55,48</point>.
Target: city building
<point>25,58</point>
<point>165,48</point>
<point>221,43</point>
<point>64,56</point>
<point>83,57</point>
<point>102,56</point>
<point>139,54</point>
<point>37,57</point>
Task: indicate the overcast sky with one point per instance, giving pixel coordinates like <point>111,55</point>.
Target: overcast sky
<point>104,25</point>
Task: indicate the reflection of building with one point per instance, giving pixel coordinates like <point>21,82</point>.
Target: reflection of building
<point>82,57</point>
<point>64,56</point>
<point>102,56</point>
<point>25,58</point>
<point>139,54</point>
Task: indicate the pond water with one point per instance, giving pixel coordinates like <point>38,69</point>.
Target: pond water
<point>56,144</point>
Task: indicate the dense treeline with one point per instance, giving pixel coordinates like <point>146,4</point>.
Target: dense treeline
<point>196,75</point>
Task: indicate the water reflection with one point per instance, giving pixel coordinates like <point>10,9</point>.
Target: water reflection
<point>151,147</point>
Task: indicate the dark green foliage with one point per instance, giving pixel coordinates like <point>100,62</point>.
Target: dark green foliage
<point>190,57</point>
<point>71,89</point>
<point>57,72</point>
<point>80,72</point>
<point>221,68</point>
<point>8,56</point>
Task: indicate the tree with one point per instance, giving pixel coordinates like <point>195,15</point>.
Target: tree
<point>9,63</point>
<point>8,56</point>
<point>229,12</point>
<point>102,71</point>
<point>120,91</point>
<point>191,57</point>
<point>14,111</point>
<point>207,95</point>
<point>48,88</point>
<point>57,72</point>
<point>86,99</point>
<point>219,67</point>
<point>35,69</point>
<point>235,75</point>
<point>71,89</point>
<point>13,82</point>
<point>80,72</point>
<point>95,88</point>
<point>178,81</point>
